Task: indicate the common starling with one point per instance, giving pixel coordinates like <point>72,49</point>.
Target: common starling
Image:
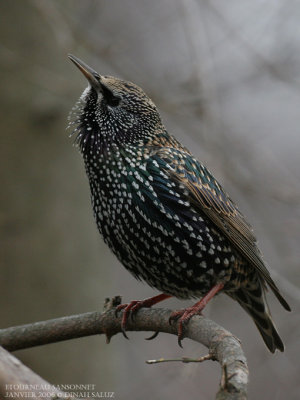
<point>161,212</point>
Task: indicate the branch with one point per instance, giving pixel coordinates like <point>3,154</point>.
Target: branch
<point>18,381</point>
<point>222,345</point>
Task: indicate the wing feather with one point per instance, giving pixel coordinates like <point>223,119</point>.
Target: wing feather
<point>206,194</point>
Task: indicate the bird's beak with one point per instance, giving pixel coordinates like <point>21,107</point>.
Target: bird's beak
<point>92,76</point>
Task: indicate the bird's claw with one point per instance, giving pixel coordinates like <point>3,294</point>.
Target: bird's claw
<point>155,334</point>
<point>182,317</point>
<point>129,311</point>
<point>124,333</point>
<point>119,308</point>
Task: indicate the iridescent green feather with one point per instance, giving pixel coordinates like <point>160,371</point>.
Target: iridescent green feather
<point>207,195</point>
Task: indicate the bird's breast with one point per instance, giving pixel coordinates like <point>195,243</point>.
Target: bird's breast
<point>164,242</point>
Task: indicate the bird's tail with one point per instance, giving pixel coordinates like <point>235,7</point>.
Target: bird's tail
<point>252,299</point>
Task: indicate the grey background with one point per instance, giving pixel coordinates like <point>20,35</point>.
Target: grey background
<point>226,78</point>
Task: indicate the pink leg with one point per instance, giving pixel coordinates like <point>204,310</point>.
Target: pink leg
<point>185,314</point>
<point>135,305</point>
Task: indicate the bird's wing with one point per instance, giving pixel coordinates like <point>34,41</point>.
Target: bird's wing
<point>206,194</point>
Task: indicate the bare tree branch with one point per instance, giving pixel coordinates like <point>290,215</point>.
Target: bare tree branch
<point>18,381</point>
<point>222,345</point>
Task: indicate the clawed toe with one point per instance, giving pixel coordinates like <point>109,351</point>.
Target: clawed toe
<point>130,310</point>
<point>175,315</point>
<point>155,334</point>
<point>182,317</point>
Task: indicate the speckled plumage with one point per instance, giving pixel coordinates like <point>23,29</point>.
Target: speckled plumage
<point>161,211</point>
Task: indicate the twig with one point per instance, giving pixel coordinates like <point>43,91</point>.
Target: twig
<point>182,359</point>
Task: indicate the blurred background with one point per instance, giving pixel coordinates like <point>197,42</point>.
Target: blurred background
<point>226,78</point>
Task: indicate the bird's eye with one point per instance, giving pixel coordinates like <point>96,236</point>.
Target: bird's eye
<point>113,101</point>
<point>109,97</point>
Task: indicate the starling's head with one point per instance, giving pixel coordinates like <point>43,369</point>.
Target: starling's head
<point>111,110</point>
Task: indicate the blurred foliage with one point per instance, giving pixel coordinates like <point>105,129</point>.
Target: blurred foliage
<point>226,78</point>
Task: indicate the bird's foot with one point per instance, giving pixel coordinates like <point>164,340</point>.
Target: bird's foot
<point>130,309</point>
<point>183,316</point>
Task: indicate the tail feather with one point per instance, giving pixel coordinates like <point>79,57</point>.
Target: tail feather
<point>252,299</point>
<point>277,293</point>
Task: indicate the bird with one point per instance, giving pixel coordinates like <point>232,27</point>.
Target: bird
<point>162,212</point>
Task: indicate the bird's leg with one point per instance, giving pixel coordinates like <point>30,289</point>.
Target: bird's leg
<point>185,314</point>
<point>132,307</point>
